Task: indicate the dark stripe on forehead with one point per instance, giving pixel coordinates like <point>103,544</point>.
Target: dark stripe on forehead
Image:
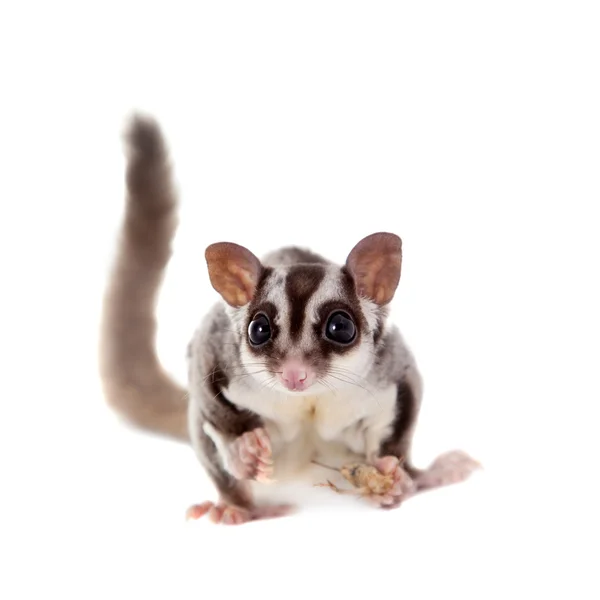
<point>349,289</point>
<point>301,283</point>
<point>348,285</point>
<point>350,296</point>
<point>260,287</point>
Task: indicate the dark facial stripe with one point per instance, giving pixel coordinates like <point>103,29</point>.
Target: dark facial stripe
<point>264,277</point>
<point>301,283</point>
<point>349,288</point>
<point>348,284</point>
<point>258,298</point>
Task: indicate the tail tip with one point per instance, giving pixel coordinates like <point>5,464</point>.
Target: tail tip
<point>144,138</point>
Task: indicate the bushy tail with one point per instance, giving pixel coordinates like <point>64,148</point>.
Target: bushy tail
<point>135,385</point>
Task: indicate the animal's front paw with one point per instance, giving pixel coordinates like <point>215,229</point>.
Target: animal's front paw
<point>399,484</point>
<point>250,456</point>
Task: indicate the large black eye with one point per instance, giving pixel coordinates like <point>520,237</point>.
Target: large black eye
<point>259,330</point>
<point>340,328</point>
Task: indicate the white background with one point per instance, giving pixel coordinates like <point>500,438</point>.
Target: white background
<point>471,129</point>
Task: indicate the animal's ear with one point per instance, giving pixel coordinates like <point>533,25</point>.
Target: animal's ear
<point>234,272</point>
<point>375,263</point>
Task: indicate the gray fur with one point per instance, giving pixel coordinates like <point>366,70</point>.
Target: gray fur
<point>225,386</point>
<point>216,347</point>
<point>292,255</point>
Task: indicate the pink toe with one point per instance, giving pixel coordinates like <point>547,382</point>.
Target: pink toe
<point>387,464</point>
<point>198,510</point>
<point>263,439</point>
<point>265,458</point>
<point>216,514</point>
<point>264,465</point>
<point>262,477</point>
<point>232,515</point>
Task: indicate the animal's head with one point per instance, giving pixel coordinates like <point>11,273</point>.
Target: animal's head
<point>308,327</point>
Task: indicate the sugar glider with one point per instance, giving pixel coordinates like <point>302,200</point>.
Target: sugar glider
<point>296,363</point>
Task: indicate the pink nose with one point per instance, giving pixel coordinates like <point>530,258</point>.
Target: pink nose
<point>294,377</point>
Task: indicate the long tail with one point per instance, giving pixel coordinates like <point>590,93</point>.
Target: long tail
<point>135,385</point>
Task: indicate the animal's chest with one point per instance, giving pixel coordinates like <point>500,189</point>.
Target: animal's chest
<point>327,416</point>
<point>322,425</point>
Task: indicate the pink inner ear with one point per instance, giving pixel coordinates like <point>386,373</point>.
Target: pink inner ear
<point>375,263</point>
<point>234,272</point>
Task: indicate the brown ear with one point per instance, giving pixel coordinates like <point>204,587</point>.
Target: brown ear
<point>233,272</point>
<point>375,263</point>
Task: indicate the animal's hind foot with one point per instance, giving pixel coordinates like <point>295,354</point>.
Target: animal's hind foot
<point>449,468</point>
<point>227,514</point>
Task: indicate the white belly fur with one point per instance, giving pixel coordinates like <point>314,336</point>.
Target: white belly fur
<point>332,428</point>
